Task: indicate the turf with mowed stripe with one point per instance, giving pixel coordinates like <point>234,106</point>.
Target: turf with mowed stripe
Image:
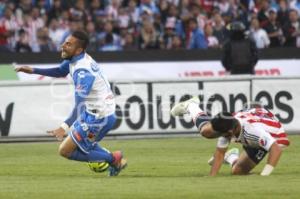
<point>168,168</point>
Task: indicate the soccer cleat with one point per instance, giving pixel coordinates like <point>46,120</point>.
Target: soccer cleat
<point>227,154</point>
<point>211,161</point>
<point>114,171</point>
<point>181,108</point>
<point>118,164</point>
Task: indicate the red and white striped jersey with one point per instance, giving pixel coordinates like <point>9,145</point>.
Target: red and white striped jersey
<point>260,128</point>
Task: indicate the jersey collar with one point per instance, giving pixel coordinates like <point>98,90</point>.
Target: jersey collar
<point>77,57</point>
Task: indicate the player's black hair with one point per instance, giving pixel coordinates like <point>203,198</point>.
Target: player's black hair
<point>82,37</point>
<point>223,122</point>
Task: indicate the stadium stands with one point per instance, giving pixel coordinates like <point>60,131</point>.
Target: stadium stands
<point>123,25</point>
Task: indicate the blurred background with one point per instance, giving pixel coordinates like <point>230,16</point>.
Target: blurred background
<point>123,25</point>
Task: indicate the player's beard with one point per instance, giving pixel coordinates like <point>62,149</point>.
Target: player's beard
<point>65,55</point>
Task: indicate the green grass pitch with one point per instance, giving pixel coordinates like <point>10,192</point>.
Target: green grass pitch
<point>168,168</point>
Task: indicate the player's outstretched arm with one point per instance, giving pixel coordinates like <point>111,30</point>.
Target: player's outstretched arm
<point>24,69</point>
<point>274,156</point>
<point>218,161</point>
<point>61,71</point>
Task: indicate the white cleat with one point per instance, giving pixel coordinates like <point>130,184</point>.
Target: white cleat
<point>181,108</point>
<point>227,154</point>
<point>230,152</point>
<point>211,161</point>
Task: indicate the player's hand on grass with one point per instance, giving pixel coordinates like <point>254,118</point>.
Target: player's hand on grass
<point>24,69</point>
<point>58,133</point>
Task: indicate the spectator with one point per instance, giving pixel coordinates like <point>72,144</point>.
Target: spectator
<point>96,6</point>
<point>263,13</point>
<point>223,6</point>
<point>31,24</point>
<point>173,17</point>
<point>123,19</point>
<point>274,30</point>
<point>22,45</point>
<point>55,11</point>
<point>2,7</point>
<point>129,42</point>
<point>108,29</point>
<point>283,12</point>
<point>196,38</point>
<point>291,29</point>
<point>43,5</point>
<point>100,20</point>
<point>295,4</point>
<point>45,43</point>
<point>258,34</point>
<point>207,5</point>
<point>4,34</point>
<point>24,7</point>
<point>149,7</point>
<point>185,12</point>
<point>212,41</point>
<point>163,6</point>
<point>133,11</point>
<point>168,35</point>
<point>199,15</point>
<point>109,44</point>
<point>219,29</point>
<point>79,12</point>
<point>149,38</point>
<point>112,10</point>
<point>11,24</point>
<point>56,33</point>
<point>91,32</point>
<point>177,43</point>
<point>159,27</point>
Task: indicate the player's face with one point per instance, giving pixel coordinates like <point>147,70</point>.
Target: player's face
<point>70,48</point>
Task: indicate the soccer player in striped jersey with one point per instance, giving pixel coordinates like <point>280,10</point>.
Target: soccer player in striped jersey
<point>93,115</point>
<point>256,129</point>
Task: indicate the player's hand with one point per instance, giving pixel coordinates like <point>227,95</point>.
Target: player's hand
<point>58,133</point>
<point>24,69</point>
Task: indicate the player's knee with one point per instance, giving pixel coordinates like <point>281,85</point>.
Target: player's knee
<point>63,151</point>
<point>237,170</point>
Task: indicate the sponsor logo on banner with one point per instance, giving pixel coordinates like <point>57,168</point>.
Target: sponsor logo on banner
<point>143,107</point>
<point>149,110</point>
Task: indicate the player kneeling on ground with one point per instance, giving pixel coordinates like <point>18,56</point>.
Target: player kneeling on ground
<point>256,129</point>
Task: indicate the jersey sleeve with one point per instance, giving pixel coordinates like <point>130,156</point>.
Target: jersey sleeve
<point>223,142</point>
<point>83,82</point>
<point>61,71</point>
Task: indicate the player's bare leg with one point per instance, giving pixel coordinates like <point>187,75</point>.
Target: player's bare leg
<point>243,165</point>
<point>67,147</point>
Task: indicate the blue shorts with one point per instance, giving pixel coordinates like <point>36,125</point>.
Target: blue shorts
<point>89,130</point>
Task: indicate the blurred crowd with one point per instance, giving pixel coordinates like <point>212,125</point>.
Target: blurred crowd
<point>114,25</point>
